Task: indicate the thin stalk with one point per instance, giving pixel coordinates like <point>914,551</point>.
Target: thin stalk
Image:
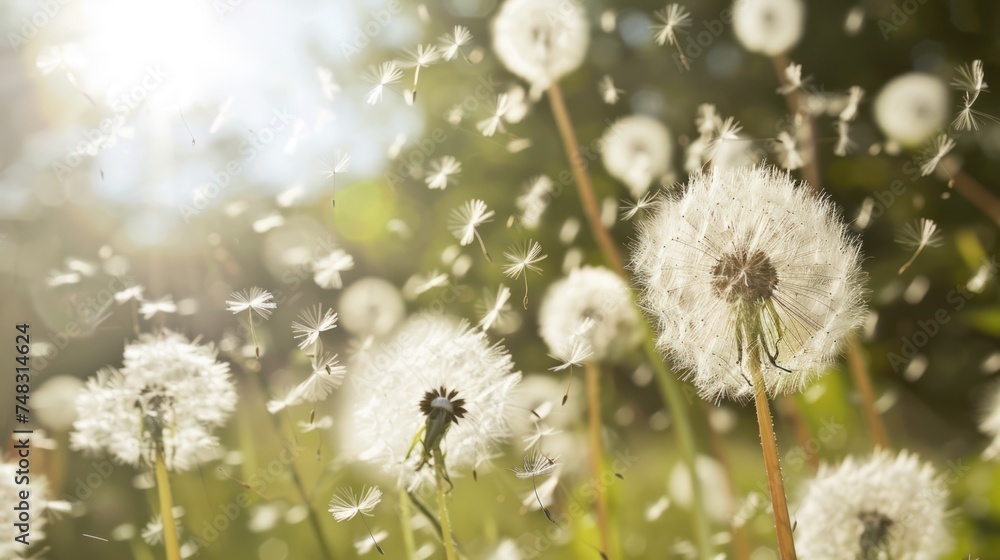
<point>593,375</point>
<point>582,178</point>
<point>668,384</point>
<point>442,498</point>
<point>782,522</point>
<point>170,542</point>
<point>409,544</point>
<point>974,191</point>
<point>863,383</point>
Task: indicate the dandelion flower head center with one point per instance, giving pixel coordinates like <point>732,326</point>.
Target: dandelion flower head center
<point>744,277</point>
<point>875,534</point>
<point>442,401</point>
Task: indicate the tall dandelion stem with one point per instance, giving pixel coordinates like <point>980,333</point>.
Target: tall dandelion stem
<point>405,518</point>
<point>859,371</point>
<point>782,522</point>
<point>170,541</point>
<point>442,498</point>
<point>593,375</point>
<point>583,184</point>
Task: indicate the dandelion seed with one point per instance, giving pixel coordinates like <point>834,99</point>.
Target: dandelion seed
<point>534,201</point>
<point>609,93</point>
<point>329,86</point>
<point>637,151</point>
<point>326,271</point>
<point>883,506</point>
<point>541,432</point>
<point>336,164</point>
<point>420,57</point>
<point>630,208</point>
<point>854,96</point>
<point>443,172</point>
<point>58,278</point>
<point>672,18</point>
<point>844,143</point>
<point>347,505</point>
<point>488,127</point>
<point>797,282</point>
<point>523,259</point>
<point>793,79</point>
<point>971,79</point>
<point>940,146</point>
<point>149,309</point>
<point>452,44</point>
<point>312,321</point>
<point>536,464</point>
<point>422,283</point>
<point>255,299</point>
<point>382,76</point>
<point>911,108</point>
<point>917,235</point>
<point>494,307</point>
<point>132,293</point>
<point>464,221</point>
<point>788,151</point>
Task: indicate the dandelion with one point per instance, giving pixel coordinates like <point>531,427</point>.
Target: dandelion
<point>883,506</point>
<point>630,208</point>
<point>672,18</point>
<point>596,294</point>
<point>464,221</point>
<point>637,151</point>
<point>769,27</point>
<point>535,199</point>
<point>521,260</point>
<point>326,271</point>
<point>149,309</point>
<point>793,79</point>
<point>488,127</point>
<point>451,44</point>
<point>494,307</point>
<point>989,424</point>
<point>347,505</point>
<point>371,307</point>
<point>420,57</point>
<point>911,108</point>
<point>850,111</point>
<point>939,147</point>
<point>536,464</point>
<point>747,274</point>
<point>382,76</point>
<point>971,81</point>
<point>253,300</point>
<point>443,172</point>
<point>789,154</point>
<point>917,235</point>
<point>312,321</point>
<point>609,93</point>
<point>541,40</point>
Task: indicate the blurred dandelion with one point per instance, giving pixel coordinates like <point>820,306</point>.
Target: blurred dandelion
<point>494,308</point>
<point>939,147</point>
<point>451,44</point>
<point>382,76</point>
<point>609,93</point>
<point>769,27</point>
<point>326,271</point>
<point>420,57</point>
<point>443,172</point>
<point>637,151</point>
<point>464,223</point>
<point>490,126</point>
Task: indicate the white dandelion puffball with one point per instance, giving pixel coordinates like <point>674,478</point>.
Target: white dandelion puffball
<point>911,108</point>
<point>989,423</point>
<point>541,40</point>
<point>769,27</point>
<point>885,506</point>
<point>37,488</point>
<point>427,353</point>
<point>371,306</point>
<point>168,390</point>
<point>595,304</point>
<point>636,151</point>
<point>746,257</point>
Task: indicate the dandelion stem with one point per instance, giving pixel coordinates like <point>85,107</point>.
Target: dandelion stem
<point>782,522</point>
<point>593,375</point>
<point>583,184</point>
<point>859,372</point>
<point>253,335</point>
<point>449,544</point>
<point>405,519</point>
<point>170,541</point>
<point>973,191</point>
<point>378,547</point>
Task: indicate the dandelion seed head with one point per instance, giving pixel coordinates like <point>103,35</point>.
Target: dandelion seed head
<point>769,27</point>
<point>392,379</point>
<point>885,505</point>
<point>168,390</point>
<point>255,299</point>
<point>523,258</point>
<point>381,76</point>
<point>312,321</point>
<point>371,306</point>
<point>452,43</point>
<point>541,40</point>
<point>637,151</point>
<point>671,19</point>
<point>911,108</point>
<point>346,504</point>
<point>748,242</point>
<point>596,294</point>
<point>535,464</point>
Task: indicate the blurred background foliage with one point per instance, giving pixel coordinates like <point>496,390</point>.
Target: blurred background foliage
<point>122,208</point>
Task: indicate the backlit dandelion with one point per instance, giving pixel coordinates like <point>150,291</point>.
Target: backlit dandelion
<point>536,464</point>
<point>452,43</point>
<point>382,76</point>
<point>911,108</point>
<point>917,235</point>
<point>769,27</point>
<point>534,200</point>
<point>608,91</point>
<point>313,321</point>
<point>443,172</point>
<point>971,81</point>
<point>371,307</point>
<point>489,127</point>
<point>494,307</point>
<point>255,300</point>
<point>884,506</point>
<point>671,19</point>
<point>327,270</point>
<point>346,505</point>
<point>631,208</point>
<point>334,165</point>
<point>637,151</point>
<point>522,259</point>
<point>939,147</point>
<point>464,223</point>
<point>420,57</point>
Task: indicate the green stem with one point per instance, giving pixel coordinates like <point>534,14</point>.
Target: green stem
<point>593,376</point>
<point>449,543</point>
<point>170,541</point>
<point>405,519</point>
